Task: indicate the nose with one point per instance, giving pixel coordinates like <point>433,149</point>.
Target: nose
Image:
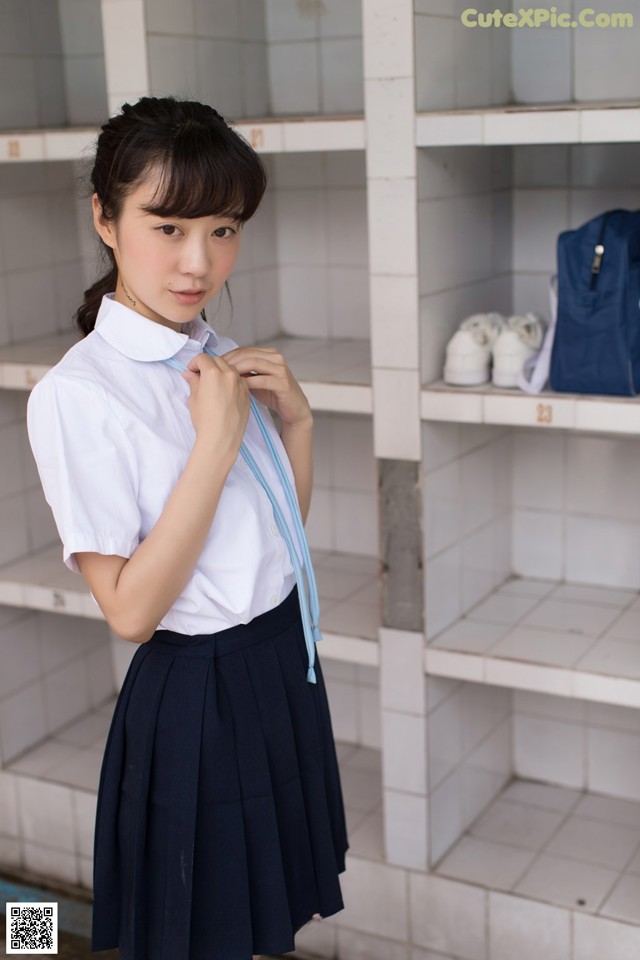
<point>194,259</point>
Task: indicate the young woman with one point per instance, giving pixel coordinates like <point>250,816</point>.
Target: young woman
<point>220,827</point>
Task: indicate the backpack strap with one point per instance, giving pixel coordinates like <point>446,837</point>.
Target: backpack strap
<point>535,371</point>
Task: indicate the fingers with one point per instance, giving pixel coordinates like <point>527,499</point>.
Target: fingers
<point>202,360</point>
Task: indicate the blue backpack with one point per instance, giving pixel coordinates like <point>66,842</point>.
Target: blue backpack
<point>596,346</point>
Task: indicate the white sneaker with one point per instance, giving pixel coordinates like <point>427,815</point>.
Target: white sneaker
<point>520,339</point>
<point>468,353</point>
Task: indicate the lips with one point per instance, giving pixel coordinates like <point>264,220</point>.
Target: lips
<point>188,297</point>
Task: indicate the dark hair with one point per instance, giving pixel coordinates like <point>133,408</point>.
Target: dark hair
<point>207,170</point>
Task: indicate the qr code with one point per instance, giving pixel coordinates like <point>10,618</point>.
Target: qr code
<point>32,928</point>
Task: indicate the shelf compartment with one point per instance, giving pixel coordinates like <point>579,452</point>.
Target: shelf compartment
<point>41,581</point>
<point>68,763</point>
<point>347,587</point>
<point>23,363</point>
<point>299,135</point>
<point>21,146</point>
<point>545,123</point>
<point>547,410</point>
<point>571,848</point>
<point>547,636</point>
<point>335,374</point>
<point>303,134</point>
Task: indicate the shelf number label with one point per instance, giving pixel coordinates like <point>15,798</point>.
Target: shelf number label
<point>14,149</point>
<point>59,602</point>
<point>256,137</point>
<point>544,413</point>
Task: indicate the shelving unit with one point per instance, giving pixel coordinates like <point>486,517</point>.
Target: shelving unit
<point>554,638</point>
<point>346,587</point>
<point>475,549</point>
<point>266,135</point>
<point>335,375</point>
<point>613,122</point>
<point>549,409</point>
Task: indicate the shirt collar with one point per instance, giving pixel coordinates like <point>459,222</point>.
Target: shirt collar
<point>140,338</point>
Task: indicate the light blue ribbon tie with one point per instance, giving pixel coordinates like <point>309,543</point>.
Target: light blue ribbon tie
<point>309,607</point>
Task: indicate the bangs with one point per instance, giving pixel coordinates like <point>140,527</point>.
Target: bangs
<point>207,172</point>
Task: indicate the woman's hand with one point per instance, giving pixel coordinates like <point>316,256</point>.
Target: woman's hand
<point>219,403</point>
<point>273,383</point>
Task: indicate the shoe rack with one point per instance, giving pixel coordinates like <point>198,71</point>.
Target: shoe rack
<point>477,550</point>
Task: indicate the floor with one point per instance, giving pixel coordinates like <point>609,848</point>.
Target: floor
<point>562,846</point>
<point>564,625</point>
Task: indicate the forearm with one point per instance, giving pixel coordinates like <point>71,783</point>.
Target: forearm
<point>297,439</point>
<point>160,568</point>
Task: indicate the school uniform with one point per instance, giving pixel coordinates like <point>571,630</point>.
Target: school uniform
<point>220,825</point>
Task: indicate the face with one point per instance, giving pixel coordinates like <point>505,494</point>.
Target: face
<point>170,266</point>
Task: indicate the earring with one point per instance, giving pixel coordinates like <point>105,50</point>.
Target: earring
<point>128,295</point>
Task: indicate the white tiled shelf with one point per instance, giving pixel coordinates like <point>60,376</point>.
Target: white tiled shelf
<point>22,364</point>
<point>24,146</point>
<point>65,768</point>
<point>347,588</point>
<point>334,374</point>
<point>613,122</point>
<point>293,135</point>
<point>304,134</point>
<point>566,847</point>
<point>555,638</point>
<point>547,410</point>
<point>561,123</point>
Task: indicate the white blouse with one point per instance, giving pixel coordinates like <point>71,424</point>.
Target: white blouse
<point>110,430</point>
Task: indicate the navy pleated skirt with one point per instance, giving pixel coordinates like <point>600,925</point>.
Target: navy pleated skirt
<point>220,827</point>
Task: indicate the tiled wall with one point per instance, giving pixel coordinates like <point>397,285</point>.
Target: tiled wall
<point>40,282</point>
<point>321,214</point>
<point>459,66</point>
<point>83,61</point>
<point>564,64</point>
<point>54,669</point>
<point>258,57</point>
<point>40,268</point>
<point>576,513</point>
<point>470,734</point>
<point>480,736</point>
<point>354,699</point>
<point>559,188</point>
<point>32,90</point>
<point>465,224</point>
<point>51,63</point>
<point>315,56</point>
<point>576,743</point>
<point>548,505</point>
<point>467,517</point>
<point>344,513</point>
<point>213,52</point>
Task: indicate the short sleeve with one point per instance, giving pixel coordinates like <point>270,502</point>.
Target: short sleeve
<point>87,467</point>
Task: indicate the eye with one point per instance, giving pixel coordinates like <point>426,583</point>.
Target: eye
<point>168,229</point>
<point>220,232</point>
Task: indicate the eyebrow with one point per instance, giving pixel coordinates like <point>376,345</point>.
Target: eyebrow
<point>232,215</point>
